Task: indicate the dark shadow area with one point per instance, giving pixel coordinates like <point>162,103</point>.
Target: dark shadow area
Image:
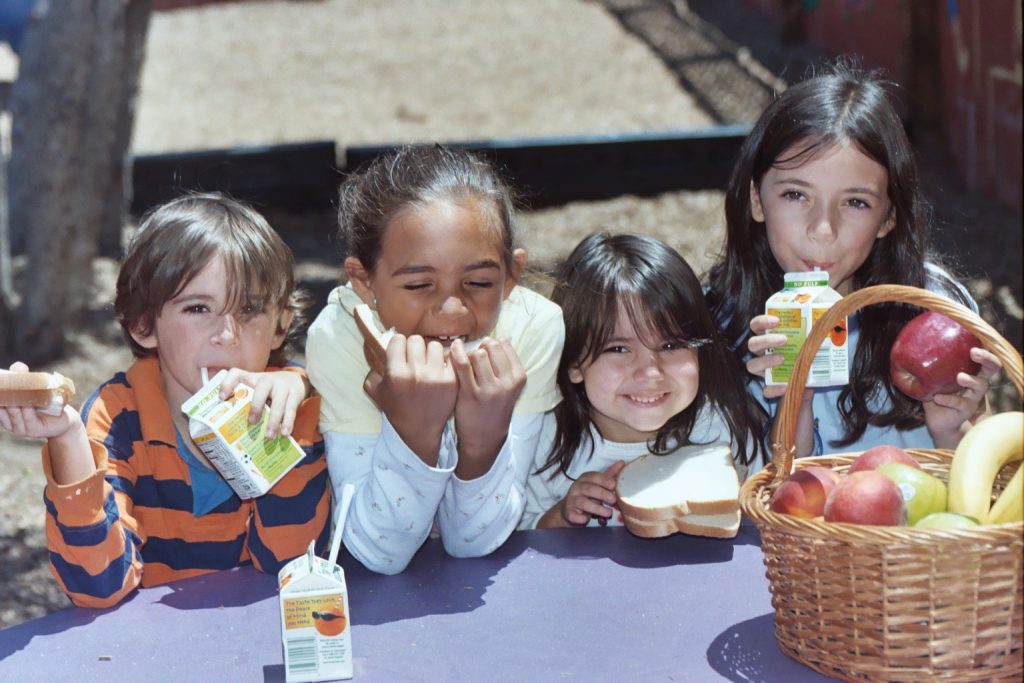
<point>746,653</point>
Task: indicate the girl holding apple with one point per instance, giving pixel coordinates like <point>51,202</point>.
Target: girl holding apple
<point>827,179</point>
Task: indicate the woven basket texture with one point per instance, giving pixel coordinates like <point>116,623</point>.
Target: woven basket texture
<point>861,602</point>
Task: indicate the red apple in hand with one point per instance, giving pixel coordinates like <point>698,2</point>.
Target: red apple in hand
<point>875,457</point>
<point>928,354</point>
<point>866,498</point>
<point>804,492</point>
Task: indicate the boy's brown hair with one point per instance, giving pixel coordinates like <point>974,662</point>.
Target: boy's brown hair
<point>174,243</point>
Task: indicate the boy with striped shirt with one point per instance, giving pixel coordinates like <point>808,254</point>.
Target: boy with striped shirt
<point>130,500</point>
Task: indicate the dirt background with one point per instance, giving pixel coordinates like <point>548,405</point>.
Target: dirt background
<point>266,72</point>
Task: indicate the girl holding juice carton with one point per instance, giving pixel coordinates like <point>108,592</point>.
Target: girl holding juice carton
<point>827,180</point>
<point>446,433</point>
<point>644,368</point>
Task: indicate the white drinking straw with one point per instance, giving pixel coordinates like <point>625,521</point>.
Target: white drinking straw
<point>339,523</point>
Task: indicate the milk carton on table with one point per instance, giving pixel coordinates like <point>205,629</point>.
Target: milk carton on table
<point>316,631</point>
<point>804,298</point>
<point>249,462</point>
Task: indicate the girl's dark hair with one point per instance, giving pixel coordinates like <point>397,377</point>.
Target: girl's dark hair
<point>416,176</point>
<point>176,240</point>
<point>845,105</point>
<point>663,299</point>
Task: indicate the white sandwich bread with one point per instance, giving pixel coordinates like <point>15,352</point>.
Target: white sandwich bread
<point>693,489</point>
<point>47,392</point>
<point>375,340</point>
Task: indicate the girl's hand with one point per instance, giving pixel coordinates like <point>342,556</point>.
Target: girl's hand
<point>417,393</point>
<point>591,495</point>
<point>949,416</point>
<point>490,380</point>
<point>760,346</point>
<point>283,389</point>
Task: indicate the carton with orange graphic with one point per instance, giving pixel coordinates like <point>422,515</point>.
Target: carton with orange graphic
<point>315,628</point>
<point>804,298</point>
<point>248,461</point>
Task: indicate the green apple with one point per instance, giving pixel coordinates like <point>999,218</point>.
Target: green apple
<point>923,492</point>
<point>946,520</point>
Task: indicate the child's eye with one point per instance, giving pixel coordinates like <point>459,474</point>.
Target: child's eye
<point>196,309</point>
<point>480,284</point>
<point>618,348</point>
<point>792,195</point>
<point>413,286</point>
<point>250,310</point>
<point>858,203</point>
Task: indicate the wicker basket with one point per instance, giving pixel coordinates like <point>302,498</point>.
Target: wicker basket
<point>890,603</point>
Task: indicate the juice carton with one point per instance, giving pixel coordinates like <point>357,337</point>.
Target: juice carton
<point>248,461</point>
<point>315,624</point>
<point>804,298</point>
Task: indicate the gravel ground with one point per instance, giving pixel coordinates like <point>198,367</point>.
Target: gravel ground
<point>247,73</point>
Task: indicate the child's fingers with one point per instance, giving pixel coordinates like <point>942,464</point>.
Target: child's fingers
<point>760,324</point>
<point>281,415</point>
<point>230,381</point>
<point>18,366</point>
<point>615,468</point>
<point>759,364</point>
<point>990,364</point>
<point>459,360</point>
<point>260,394</point>
<point>762,344</point>
<point>5,419</point>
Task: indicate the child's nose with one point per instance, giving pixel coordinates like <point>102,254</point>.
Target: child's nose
<point>822,228</point>
<point>452,305</point>
<point>228,331</point>
<point>648,366</point>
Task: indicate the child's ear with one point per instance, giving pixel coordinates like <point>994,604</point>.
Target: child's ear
<point>515,273</point>
<point>756,210</point>
<point>146,341</point>
<point>360,280</point>
<point>284,323</point>
<point>575,374</point>
<point>888,225</point>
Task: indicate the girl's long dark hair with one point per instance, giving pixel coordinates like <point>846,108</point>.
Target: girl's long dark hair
<point>844,106</point>
<point>663,299</point>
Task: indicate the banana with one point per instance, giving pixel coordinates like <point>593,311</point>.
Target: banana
<point>1009,506</point>
<point>982,452</point>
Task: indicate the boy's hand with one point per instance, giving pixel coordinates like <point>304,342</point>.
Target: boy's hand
<point>30,423</point>
<point>949,416</point>
<point>70,455</point>
<point>490,380</point>
<point>591,495</point>
<point>283,389</point>
<point>417,393</point>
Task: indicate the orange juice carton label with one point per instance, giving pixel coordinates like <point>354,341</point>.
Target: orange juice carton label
<point>248,461</point>
<point>804,298</point>
<point>316,631</point>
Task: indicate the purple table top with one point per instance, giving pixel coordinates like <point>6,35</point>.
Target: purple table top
<point>567,604</point>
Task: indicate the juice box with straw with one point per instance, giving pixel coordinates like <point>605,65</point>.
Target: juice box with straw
<point>248,461</point>
<point>804,298</point>
<point>316,631</point>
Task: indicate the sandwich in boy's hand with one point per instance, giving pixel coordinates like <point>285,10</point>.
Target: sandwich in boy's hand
<point>47,392</point>
<point>375,341</point>
<point>693,489</point>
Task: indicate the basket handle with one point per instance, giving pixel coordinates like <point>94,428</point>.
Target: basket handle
<point>784,433</point>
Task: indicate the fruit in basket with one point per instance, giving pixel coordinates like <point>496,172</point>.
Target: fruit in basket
<point>923,493</point>
<point>983,451</point>
<point>928,354</point>
<point>875,457</point>
<point>866,498</point>
<point>803,493</point>
<point>946,520</point>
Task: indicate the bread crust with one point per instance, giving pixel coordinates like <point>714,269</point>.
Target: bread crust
<point>374,345</point>
<point>693,525</point>
<point>46,391</point>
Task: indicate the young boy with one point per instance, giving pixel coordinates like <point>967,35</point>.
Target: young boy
<point>130,500</point>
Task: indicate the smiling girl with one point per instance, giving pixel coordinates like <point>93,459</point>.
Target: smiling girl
<point>827,179</point>
<point>446,435</point>
<point>644,369</point>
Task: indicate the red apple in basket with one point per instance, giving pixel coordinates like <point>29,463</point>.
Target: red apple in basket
<point>928,354</point>
<point>866,498</point>
<point>875,457</point>
<point>804,492</point>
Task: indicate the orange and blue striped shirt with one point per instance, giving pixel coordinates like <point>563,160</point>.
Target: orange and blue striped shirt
<point>132,523</point>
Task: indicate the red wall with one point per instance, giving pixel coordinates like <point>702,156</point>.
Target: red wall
<point>979,72</point>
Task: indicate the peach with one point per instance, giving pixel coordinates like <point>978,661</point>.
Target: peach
<point>804,492</point>
<point>866,498</point>
<point>873,458</point>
